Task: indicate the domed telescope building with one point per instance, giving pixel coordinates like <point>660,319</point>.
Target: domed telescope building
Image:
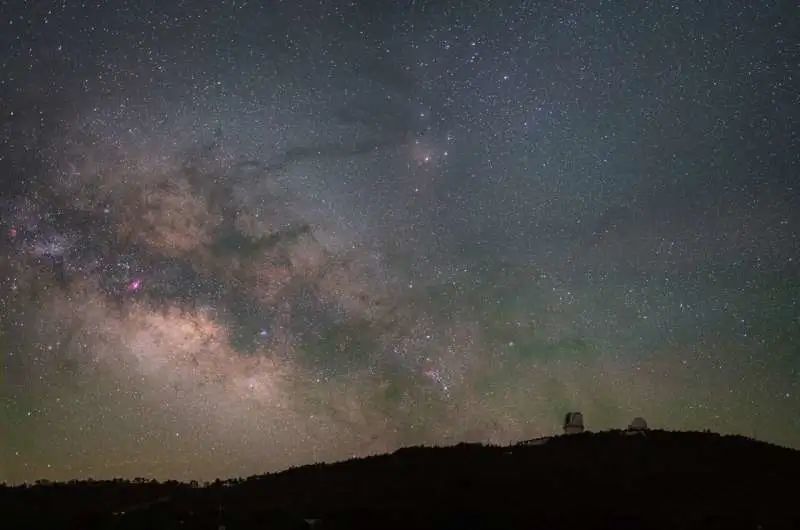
<point>637,424</point>
<point>573,423</point>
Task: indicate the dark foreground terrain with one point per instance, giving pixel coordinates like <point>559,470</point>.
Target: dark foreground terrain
<point>607,480</point>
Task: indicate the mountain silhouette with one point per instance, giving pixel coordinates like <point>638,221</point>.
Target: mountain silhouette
<point>611,480</point>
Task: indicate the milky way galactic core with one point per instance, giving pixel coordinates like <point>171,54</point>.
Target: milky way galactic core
<point>240,236</point>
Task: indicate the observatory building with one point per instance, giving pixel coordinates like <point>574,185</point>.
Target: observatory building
<point>573,423</point>
<point>638,424</point>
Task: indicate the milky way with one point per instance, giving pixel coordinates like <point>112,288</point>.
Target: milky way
<point>239,237</point>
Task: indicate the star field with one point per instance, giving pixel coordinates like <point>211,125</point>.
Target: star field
<point>240,236</point>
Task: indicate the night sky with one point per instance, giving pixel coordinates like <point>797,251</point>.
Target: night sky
<point>237,236</point>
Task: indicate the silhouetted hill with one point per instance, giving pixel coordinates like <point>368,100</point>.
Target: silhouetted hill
<point>607,480</point>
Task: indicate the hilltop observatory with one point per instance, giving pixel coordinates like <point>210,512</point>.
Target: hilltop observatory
<point>573,423</point>
<point>638,424</point>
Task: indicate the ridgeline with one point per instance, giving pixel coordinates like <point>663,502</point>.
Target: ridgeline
<point>614,480</point>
